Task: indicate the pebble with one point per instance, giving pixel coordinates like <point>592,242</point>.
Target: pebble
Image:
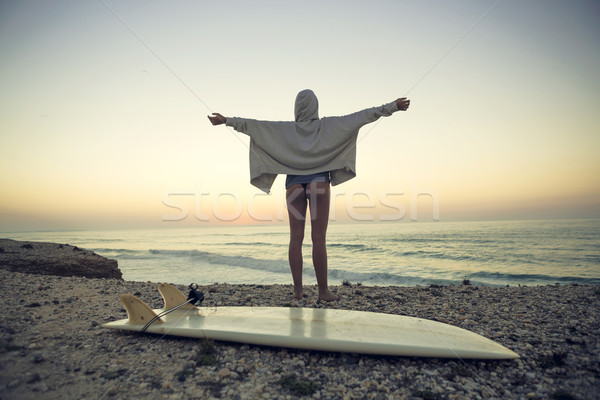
<point>64,353</point>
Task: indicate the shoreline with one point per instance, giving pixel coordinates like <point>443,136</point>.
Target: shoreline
<point>548,251</point>
<point>52,345</point>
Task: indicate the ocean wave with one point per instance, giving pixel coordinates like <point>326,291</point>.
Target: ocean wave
<point>410,277</point>
<point>263,234</point>
<point>385,278</point>
<point>526,253</point>
<point>204,257</point>
<point>493,258</point>
<point>123,254</point>
<point>441,256</point>
<point>355,247</point>
<point>452,278</point>
<point>105,250</point>
<point>416,277</point>
<point>253,244</point>
<point>102,240</point>
<point>448,240</point>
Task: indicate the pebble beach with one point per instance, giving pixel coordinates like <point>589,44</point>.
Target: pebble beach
<point>52,345</point>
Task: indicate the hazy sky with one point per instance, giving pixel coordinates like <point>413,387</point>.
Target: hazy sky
<point>103,107</point>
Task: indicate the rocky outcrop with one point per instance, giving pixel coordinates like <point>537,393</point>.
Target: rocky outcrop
<point>55,259</point>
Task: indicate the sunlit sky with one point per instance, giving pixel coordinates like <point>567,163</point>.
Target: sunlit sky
<point>103,108</point>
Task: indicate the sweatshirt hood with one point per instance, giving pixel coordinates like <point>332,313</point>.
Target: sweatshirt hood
<point>307,106</point>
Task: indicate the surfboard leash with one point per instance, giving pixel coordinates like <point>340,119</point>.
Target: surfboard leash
<point>195,298</point>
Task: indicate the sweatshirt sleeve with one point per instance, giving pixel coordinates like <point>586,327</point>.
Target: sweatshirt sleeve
<point>356,120</point>
<point>239,124</point>
<point>259,131</point>
<point>373,114</point>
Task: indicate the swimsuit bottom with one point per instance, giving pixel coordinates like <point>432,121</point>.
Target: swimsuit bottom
<point>304,180</point>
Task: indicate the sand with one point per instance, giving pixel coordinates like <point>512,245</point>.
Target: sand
<point>52,345</point>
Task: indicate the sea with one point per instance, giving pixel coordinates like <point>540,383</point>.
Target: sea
<point>496,253</point>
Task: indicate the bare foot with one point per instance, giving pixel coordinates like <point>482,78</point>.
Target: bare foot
<point>298,294</point>
<point>328,296</point>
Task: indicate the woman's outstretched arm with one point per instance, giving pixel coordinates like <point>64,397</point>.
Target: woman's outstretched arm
<point>217,119</point>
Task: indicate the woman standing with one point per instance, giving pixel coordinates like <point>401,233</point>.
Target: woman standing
<point>313,152</point>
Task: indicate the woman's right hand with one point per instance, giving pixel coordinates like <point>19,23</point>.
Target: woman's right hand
<point>217,119</point>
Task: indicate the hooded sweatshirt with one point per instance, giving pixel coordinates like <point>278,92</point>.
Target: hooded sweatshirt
<point>307,145</point>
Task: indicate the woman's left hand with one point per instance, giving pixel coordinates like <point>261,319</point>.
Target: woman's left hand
<point>403,103</point>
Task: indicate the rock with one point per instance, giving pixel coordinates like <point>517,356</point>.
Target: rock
<point>54,351</point>
<point>13,384</point>
<point>53,259</point>
<point>33,378</point>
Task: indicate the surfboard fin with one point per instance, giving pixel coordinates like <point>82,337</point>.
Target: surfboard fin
<point>138,312</point>
<point>173,297</point>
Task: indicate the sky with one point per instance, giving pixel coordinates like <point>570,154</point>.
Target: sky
<point>103,108</point>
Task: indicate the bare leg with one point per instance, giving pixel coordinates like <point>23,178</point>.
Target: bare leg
<point>318,194</point>
<point>296,204</point>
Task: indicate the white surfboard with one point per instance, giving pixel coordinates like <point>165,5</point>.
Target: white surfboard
<point>309,328</point>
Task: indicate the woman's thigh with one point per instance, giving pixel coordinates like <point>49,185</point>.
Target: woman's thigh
<point>296,204</point>
<point>319,195</point>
